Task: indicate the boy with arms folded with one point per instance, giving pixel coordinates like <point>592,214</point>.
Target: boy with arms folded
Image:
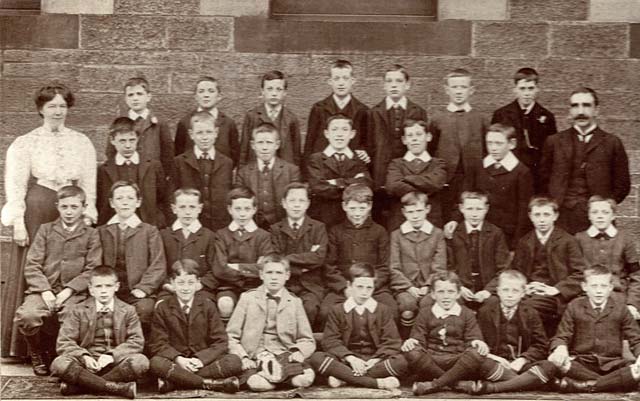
<point>360,338</point>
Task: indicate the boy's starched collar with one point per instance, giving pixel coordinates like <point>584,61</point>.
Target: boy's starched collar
<point>249,227</point>
<point>611,231</point>
<point>509,162</point>
<point>424,156</point>
<point>350,304</point>
<point>441,313</point>
<point>133,221</point>
<point>426,227</point>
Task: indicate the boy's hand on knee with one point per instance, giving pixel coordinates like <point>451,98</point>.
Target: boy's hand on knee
<point>414,291</point>
<point>518,363</point>
<point>91,364</point>
<point>138,293</point>
<point>104,361</point>
<point>248,363</point>
<point>49,299</point>
<point>62,297</point>
<point>409,345</point>
<point>559,355</point>
<point>296,357</point>
<point>358,366</point>
<point>481,347</point>
<point>185,363</point>
<point>371,363</point>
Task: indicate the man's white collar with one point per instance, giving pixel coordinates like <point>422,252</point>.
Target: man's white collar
<point>341,103</point>
<point>509,162</point>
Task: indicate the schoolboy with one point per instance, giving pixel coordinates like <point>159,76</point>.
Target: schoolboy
<point>385,126</point>
<point>267,175</point>
<point>516,338</point>
<point>154,140</point>
<point>418,250</point>
<point>206,170</point>
<point>588,345</point>
<point>361,342</point>
<point>208,93</point>
<point>334,169</point>
<point>416,171</point>
<point>551,260</point>
<point>127,165</point>
<point>270,332</point>
<point>239,246</point>
<point>477,251</point>
<point>532,122</point>
<point>507,182</point>
<point>186,238</point>
<point>446,343</point>
<point>458,133</point>
<point>303,241</point>
<point>605,244</point>
<point>273,90</point>
<point>56,272</point>
<point>188,341</point>
<point>357,239</point>
<point>134,249</point>
<point>100,342</point>
<point>341,101</point>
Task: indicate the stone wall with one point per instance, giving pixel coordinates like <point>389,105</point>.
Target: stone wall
<point>95,45</point>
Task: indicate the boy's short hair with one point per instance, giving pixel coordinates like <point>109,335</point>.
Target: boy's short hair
<point>338,116</point>
<point>457,73</point>
<point>295,185</point>
<point>595,270</point>
<point>526,73</point>
<point>241,193</point>
<point>358,193</point>
<point>137,81</point>
<point>71,191</point>
<point>361,269</point>
<point>342,63</point>
<point>201,117</point>
<point>586,90</point>
<point>507,130</point>
<point>413,198</point>
<point>122,183</point>
<point>598,198</point>
<point>48,92</point>
<point>265,127</point>
<point>186,191</point>
<point>122,125</point>
<point>512,274</point>
<point>274,258</point>
<point>271,75</point>
<point>206,78</point>
<point>539,201</point>
<point>102,271</point>
<point>448,275</point>
<point>408,123</point>
<point>184,266</point>
<point>477,194</point>
<point>397,67</point>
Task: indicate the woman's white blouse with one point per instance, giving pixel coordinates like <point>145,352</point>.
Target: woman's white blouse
<point>54,159</point>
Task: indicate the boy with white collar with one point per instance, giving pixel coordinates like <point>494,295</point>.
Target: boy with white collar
<point>155,139</point>
<point>361,341</point>
<point>604,243</point>
<point>415,171</point>
<point>506,180</point>
<point>127,165</point>
<point>187,238</point>
<point>134,249</point>
<point>334,169</point>
<point>418,249</point>
<point>239,246</point>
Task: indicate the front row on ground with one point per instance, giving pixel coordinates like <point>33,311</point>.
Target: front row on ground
<point>269,344</point>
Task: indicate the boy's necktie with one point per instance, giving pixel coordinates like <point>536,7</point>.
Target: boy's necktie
<point>185,309</point>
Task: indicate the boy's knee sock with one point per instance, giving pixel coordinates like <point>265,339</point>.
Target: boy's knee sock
<point>166,369</point>
<point>394,366</point>
<point>468,362</point>
<point>495,372</point>
<point>76,374</point>
<point>123,372</point>
<point>580,372</point>
<point>327,365</point>
<point>619,380</point>
<point>533,378</point>
<point>226,366</point>
<point>424,365</point>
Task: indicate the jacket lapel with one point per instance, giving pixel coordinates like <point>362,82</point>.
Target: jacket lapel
<point>190,159</point>
<point>278,169</point>
<point>143,168</point>
<point>196,308</point>
<point>111,170</point>
<point>331,163</point>
<point>118,319</point>
<point>130,232</point>
<point>595,142</point>
<point>381,110</point>
<point>329,105</point>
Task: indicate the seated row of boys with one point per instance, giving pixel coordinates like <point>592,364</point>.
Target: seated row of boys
<point>268,342</point>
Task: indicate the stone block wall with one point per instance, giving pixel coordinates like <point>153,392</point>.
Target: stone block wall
<point>95,45</point>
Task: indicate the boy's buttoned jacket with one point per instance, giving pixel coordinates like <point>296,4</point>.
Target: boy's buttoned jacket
<point>146,263</point>
<point>201,334</point>
<point>77,333</point>
<point>247,323</point>
<point>532,337</point>
<point>564,261</point>
<point>199,246</point>
<point>56,255</point>
<point>493,255</point>
<point>380,325</point>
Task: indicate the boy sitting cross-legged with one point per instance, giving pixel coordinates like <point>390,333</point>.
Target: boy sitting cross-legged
<point>360,338</point>
<point>188,340</point>
<point>587,347</point>
<point>100,342</point>
<point>270,332</point>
